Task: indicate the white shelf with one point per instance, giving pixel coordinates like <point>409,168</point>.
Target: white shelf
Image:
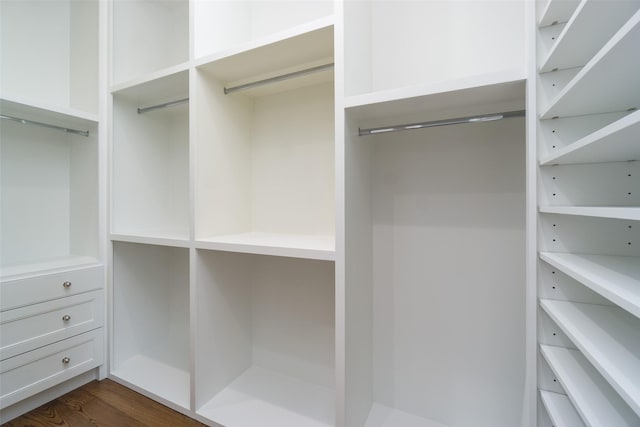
<point>595,401</point>
<point>264,397</point>
<point>614,277</point>
<point>557,11</point>
<point>384,416</point>
<point>613,143</point>
<point>590,27</point>
<point>560,410</point>
<point>164,74</point>
<point>609,337</point>
<point>288,245</point>
<point>52,265</point>
<point>50,114</point>
<point>300,48</point>
<point>604,83</point>
<point>629,213</point>
<point>162,238</point>
<point>169,384</point>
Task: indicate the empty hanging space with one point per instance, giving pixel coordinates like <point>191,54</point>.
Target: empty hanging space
<point>151,35</point>
<point>265,340</point>
<point>48,181</point>
<point>223,26</point>
<point>150,350</point>
<point>435,279</point>
<point>150,166</point>
<point>397,44</point>
<point>264,176</point>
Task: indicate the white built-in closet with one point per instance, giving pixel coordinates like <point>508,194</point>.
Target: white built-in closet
<point>375,213</point>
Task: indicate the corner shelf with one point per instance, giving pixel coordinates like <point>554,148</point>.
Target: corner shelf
<point>596,402</point>
<point>616,278</point>
<point>609,337</point>
<point>612,212</point>
<point>590,27</point>
<point>603,84</point>
<point>557,11</point>
<point>615,142</point>
<point>52,114</point>
<point>560,410</point>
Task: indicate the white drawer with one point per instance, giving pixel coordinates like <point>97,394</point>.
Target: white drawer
<point>30,373</point>
<point>26,328</point>
<point>30,290</point>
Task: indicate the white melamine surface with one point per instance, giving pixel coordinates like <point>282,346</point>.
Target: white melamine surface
<point>557,11</point>
<point>612,143</point>
<point>609,338</point>
<point>616,278</point>
<point>603,85</point>
<point>613,212</point>
<point>267,398</point>
<point>45,266</point>
<point>288,245</point>
<point>560,409</point>
<point>384,416</point>
<point>590,27</point>
<point>165,381</point>
<point>596,402</point>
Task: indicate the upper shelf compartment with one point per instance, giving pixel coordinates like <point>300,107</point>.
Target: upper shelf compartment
<point>49,53</point>
<point>151,35</point>
<point>608,82</point>
<point>556,12</point>
<point>227,24</point>
<point>306,52</point>
<point>590,27</point>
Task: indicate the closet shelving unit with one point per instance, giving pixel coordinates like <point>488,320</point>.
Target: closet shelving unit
<point>589,209</point>
<point>51,254</point>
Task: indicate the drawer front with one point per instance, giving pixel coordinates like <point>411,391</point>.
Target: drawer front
<point>30,373</point>
<point>30,290</point>
<point>26,328</point>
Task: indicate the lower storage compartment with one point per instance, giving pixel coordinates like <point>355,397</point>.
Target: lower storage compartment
<point>32,372</point>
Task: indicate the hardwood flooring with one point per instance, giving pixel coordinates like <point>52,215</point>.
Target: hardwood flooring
<point>102,403</point>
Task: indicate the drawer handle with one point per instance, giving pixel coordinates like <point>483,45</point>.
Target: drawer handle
<point>66,285</point>
<point>66,360</point>
<point>66,317</point>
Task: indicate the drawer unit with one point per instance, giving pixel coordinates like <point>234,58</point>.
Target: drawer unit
<point>29,373</point>
<point>26,328</point>
<point>30,290</point>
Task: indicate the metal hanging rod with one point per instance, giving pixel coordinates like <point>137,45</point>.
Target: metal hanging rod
<point>45,125</point>
<point>446,122</point>
<point>228,90</point>
<point>165,105</point>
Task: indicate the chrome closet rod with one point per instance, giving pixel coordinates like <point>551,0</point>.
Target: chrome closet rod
<point>445,122</point>
<point>278,78</point>
<point>45,125</point>
<point>164,105</point>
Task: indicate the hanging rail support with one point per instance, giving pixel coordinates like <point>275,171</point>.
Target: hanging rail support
<point>165,105</point>
<point>278,78</point>
<point>45,125</point>
<point>446,122</point>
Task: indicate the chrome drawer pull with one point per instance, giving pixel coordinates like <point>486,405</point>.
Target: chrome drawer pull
<point>66,284</point>
<point>66,360</point>
<point>66,317</point>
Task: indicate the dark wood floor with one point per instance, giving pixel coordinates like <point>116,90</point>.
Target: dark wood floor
<point>102,403</point>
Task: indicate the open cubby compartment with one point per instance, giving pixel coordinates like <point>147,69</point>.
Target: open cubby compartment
<point>431,216</point>
<point>558,411</point>
<point>592,25</point>
<point>224,25</point>
<point>264,340</point>
<point>148,36</point>
<point>552,12</point>
<point>597,138</point>
<point>49,52</point>
<point>602,85</point>
<point>150,159</point>
<point>49,182</point>
<point>613,184</point>
<point>392,44</point>
<point>150,348</point>
<point>264,175</point>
